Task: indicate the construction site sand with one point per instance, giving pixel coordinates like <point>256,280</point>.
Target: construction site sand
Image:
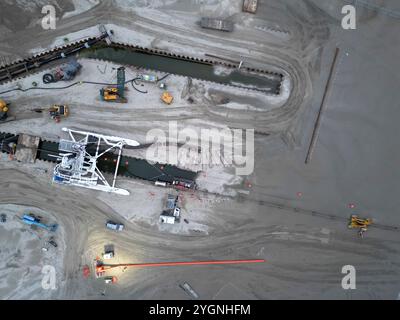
<point>305,252</point>
<point>22,259</point>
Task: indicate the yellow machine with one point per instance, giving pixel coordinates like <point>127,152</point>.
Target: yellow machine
<point>115,93</point>
<point>58,111</point>
<point>111,94</point>
<point>359,223</point>
<point>167,98</point>
<point>3,110</point>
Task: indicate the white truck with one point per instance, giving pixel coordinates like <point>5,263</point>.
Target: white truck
<point>114,226</point>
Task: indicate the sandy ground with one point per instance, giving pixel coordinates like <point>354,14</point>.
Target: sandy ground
<point>22,257</point>
<point>304,239</point>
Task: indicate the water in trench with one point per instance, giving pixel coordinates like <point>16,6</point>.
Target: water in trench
<point>269,83</point>
<point>128,167</point>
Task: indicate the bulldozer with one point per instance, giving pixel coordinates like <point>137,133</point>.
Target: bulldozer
<point>115,94</point>
<point>359,223</point>
<point>56,112</point>
<point>3,110</point>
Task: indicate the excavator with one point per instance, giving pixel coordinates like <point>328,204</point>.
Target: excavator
<point>359,223</point>
<point>55,112</point>
<point>3,110</point>
<point>115,94</point>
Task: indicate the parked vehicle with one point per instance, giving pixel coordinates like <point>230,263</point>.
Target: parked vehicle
<point>53,243</point>
<point>110,279</point>
<point>114,226</point>
<point>108,255</point>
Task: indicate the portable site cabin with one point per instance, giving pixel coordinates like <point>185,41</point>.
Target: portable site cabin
<point>250,6</point>
<point>216,24</point>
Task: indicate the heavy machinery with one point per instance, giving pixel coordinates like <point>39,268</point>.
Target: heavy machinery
<point>56,112</point>
<point>3,110</point>
<point>167,98</point>
<point>359,223</point>
<point>115,94</point>
<point>78,167</point>
<point>30,219</point>
<point>65,72</point>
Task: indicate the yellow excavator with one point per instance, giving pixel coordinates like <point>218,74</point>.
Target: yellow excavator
<point>3,110</point>
<point>359,223</point>
<point>56,112</point>
<point>115,93</point>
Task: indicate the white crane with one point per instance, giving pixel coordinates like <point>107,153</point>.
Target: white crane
<point>79,167</point>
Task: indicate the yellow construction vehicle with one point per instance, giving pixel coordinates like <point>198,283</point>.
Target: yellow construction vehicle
<point>115,93</point>
<point>3,110</point>
<point>58,111</point>
<point>167,98</point>
<point>359,223</point>
<point>55,112</point>
<point>111,95</point>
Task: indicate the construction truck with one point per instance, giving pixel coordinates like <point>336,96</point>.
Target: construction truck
<point>56,112</point>
<point>115,94</point>
<point>359,223</point>
<point>65,72</point>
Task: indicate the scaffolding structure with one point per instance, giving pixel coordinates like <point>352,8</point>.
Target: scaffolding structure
<point>78,166</point>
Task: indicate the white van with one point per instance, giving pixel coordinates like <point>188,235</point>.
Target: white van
<point>114,226</point>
